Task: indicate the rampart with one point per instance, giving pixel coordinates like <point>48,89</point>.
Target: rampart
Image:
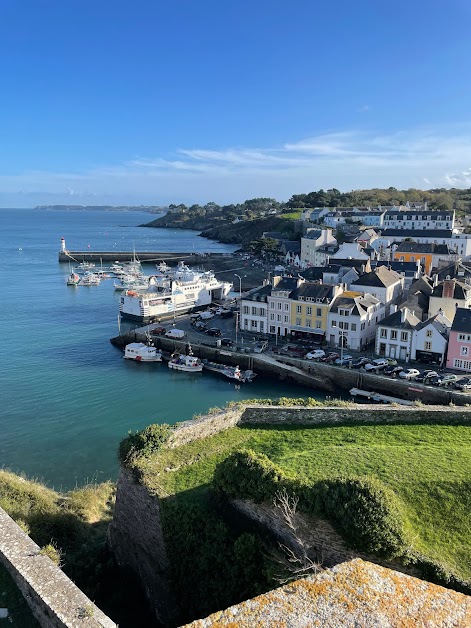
<point>54,600</point>
<point>136,535</point>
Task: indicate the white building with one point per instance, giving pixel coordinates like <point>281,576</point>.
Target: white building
<point>430,340</point>
<point>394,335</point>
<point>382,283</point>
<point>254,311</point>
<point>419,219</point>
<point>352,320</point>
<point>312,242</point>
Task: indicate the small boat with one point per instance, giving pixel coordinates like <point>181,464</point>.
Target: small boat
<point>73,279</point>
<point>142,353</point>
<point>188,362</point>
<point>86,265</point>
<point>89,279</point>
<point>231,372</point>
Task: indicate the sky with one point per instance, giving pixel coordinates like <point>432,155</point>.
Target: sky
<point>160,101</point>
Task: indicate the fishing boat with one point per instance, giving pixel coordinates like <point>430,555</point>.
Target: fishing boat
<point>188,362</point>
<point>73,279</point>
<point>231,372</point>
<point>141,352</point>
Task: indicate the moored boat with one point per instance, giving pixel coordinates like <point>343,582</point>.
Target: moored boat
<point>188,362</point>
<point>73,279</point>
<point>89,279</point>
<point>141,352</point>
<point>231,372</point>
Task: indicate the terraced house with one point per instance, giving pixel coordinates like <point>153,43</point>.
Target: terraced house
<point>352,320</point>
<point>310,309</point>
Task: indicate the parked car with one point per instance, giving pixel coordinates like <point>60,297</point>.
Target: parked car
<point>227,342</point>
<point>392,369</point>
<point>316,354</point>
<point>330,357</point>
<point>200,326</point>
<point>220,311</point>
<point>377,365</point>
<point>425,375</point>
<point>213,331</point>
<point>176,334</point>
<point>464,383</point>
<point>360,362</point>
<point>409,373</point>
<point>346,359</point>
<point>158,331</point>
<point>445,380</point>
<point>206,315</point>
<point>260,347</point>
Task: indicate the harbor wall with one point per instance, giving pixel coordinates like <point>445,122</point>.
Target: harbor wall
<point>135,534</point>
<point>144,256</point>
<point>314,375</point>
<point>54,600</point>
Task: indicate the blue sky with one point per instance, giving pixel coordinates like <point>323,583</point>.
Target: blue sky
<point>190,101</point>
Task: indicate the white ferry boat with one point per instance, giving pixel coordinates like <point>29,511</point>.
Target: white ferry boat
<point>177,291</point>
<point>142,353</point>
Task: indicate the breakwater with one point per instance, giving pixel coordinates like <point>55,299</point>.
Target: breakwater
<point>127,256</point>
<point>315,375</point>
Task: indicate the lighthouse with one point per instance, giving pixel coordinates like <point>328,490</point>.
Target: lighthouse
<point>63,249</point>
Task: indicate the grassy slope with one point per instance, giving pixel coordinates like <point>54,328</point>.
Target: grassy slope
<point>428,466</point>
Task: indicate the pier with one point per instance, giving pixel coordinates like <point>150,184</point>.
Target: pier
<point>150,257</point>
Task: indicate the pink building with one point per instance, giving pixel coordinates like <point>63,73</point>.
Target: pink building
<point>459,344</point>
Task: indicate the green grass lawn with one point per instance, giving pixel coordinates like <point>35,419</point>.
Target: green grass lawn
<point>427,466</point>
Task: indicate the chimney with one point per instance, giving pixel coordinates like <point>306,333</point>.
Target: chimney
<point>435,281</point>
<point>275,281</point>
<point>393,309</point>
<point>448,288</point>
<point>404,313</point>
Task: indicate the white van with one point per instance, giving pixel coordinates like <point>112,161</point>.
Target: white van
<point>176,334</point>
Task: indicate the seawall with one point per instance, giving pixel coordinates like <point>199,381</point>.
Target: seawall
<point>54,600</point>
<point>126,256</point>
<point>314,375</point>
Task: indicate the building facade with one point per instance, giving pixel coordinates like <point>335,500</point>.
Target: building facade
<point>352,320</point>
<point>310,309</point>
<point>423,219</point>
<point>394,335</point>
<point>459,344</point>
<point>430,340</point>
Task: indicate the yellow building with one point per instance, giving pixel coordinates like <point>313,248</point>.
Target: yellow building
<point>310,305</point>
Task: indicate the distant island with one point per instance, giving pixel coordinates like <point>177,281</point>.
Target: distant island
<point>151,209</point>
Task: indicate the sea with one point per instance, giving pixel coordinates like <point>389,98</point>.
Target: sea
<point>67,397</point>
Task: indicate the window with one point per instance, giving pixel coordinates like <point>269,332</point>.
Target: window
<point>318,312</point>
<point>428,346</point>
<point>272,317</point>
<point>393,334</point>
<point>383,333</point>
<point>254,311</point>
<point>333,323</point>
<point>278,305</point>
<point>278,318</point>
<point>308,322</point>
<point>354,326</point>
<point>429,333</point>
<point>272,305</point>
<point>319,324</point>
<point>298,322</point>
<point>286,319</point>
<point>246,309</point>
<point>404,336</point>
<point>362,326</point>
<point>272,329</point>
<point>254,323</point>
<point>309,310</point>
<point>464,351</point>
<point>286,307</point>
<point>412,258</point>
<point>462,364</point>
<point>299,309</point>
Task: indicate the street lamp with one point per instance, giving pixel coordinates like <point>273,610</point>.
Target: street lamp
<point>240,286</point>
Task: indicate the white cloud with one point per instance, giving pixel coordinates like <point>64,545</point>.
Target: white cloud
<point>345,160</point>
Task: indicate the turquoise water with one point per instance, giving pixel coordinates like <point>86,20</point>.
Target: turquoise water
<point>67,397</point>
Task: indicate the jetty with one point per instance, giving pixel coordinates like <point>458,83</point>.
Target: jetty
<point>150,257</point>
<point>378,397</point>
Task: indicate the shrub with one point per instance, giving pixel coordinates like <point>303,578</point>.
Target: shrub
<point>144,443</point>
<point>51,551</point>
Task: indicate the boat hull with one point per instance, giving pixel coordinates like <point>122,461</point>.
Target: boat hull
<point>143,359</point>
<point>183,367</point>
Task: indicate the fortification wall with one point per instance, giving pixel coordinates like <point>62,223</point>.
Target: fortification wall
<point>54,600</point>
<point>136,535</point>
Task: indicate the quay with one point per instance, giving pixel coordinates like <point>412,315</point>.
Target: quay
<point>370,394</point>
<point>332,379</point>
<point>143,256</point>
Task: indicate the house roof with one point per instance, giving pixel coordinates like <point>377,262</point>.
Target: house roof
<point>355,301</point>
<point>402,319</point>
<point>313,273</point>
<point>286,284</point>
<point>350,263</point>
<point>462,320</point>
<point>399,267</point>
<point>440,322</point>
<point>259,294</point>
<point>414,233</point>
<point>455,270</point>
<point>381,277</point>
<point>425,212</point>
<point>460,290</point>
<point>291,246</point>
<point>312,290</point>
<point>423,247</point>
<point>313,234</point>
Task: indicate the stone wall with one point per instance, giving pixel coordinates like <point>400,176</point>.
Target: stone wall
<point>54,600</point>
<point>136,539</point>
